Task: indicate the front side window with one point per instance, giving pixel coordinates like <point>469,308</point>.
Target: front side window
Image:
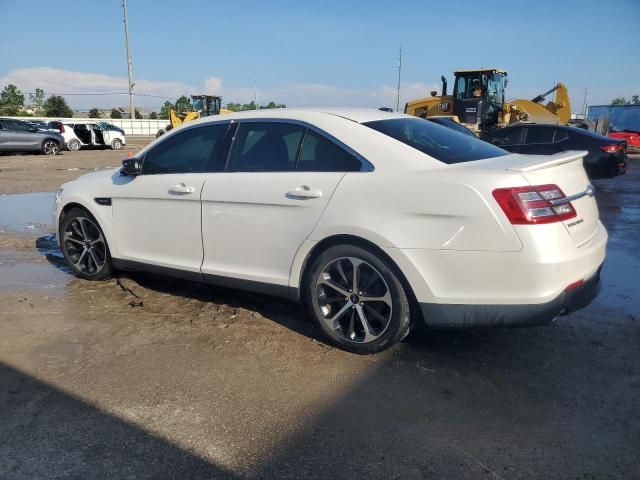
<point>190,151</point>
<point>439,142</point>
<point>265,147</point>
<point>319,154</point>
<point>495,88</point>
<point>560,135</point>
<point>467,86</point>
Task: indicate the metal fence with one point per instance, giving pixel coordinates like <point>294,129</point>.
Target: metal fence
<point>130,127</point>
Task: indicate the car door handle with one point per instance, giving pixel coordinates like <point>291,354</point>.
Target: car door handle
<point>303,192</point>
<point>181,188</point>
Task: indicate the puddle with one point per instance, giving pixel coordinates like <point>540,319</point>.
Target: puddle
<point>21,272</point>
<point>620,288</point>
<point>26,212</point>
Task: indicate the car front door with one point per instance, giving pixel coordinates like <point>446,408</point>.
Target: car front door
<point>21,136</point>
<point>157,215</point>
<point>278,181</point>
<point>5,138</point>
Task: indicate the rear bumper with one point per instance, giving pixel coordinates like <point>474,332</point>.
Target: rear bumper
<point>467,316</point>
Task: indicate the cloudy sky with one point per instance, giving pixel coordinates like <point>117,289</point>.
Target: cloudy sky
<point>315,53</point>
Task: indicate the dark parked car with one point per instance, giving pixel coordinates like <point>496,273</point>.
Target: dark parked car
<point>19,136</point>
<point>607,157</point>
<point>451,123</point>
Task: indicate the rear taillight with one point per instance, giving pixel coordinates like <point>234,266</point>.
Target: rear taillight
<point>612,148</point>
<point>61,127</point>
<point>535,204</point>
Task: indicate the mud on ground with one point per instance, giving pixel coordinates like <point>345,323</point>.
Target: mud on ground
<point>149,377</point>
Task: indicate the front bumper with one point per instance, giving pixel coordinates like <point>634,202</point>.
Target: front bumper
<point>467,316</point>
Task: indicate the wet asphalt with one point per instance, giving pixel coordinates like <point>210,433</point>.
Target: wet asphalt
<point>149,377</point>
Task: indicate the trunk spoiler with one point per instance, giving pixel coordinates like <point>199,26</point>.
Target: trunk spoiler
<point>549,161</point>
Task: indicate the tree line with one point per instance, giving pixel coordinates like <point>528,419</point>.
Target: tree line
<point>12,104</point>
<point>635,100</point>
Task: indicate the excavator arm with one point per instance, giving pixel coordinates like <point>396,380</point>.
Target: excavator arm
<point>556,112</point>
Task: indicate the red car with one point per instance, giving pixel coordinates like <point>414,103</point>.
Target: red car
<point>632,138</point>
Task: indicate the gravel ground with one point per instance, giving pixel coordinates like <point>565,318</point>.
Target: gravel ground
<point>148,377</point>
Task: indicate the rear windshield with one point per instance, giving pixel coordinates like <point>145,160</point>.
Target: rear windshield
<point>439,142</point>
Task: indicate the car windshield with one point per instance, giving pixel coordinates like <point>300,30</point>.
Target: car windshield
<point>439,142</point>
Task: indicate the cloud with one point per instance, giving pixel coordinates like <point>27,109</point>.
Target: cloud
<point>84,90</point>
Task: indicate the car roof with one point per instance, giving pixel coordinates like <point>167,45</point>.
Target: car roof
<point>358,115</point>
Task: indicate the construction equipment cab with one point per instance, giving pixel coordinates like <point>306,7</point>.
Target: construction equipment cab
<point>476,102</point>
<point>202,105</point>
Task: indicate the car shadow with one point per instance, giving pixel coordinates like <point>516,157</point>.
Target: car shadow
<point>48,433</point>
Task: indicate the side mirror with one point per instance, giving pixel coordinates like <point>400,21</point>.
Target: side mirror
<point>131,166</point>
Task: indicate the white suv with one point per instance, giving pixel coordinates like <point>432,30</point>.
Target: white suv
<point>372,219</point>
<point>77,135</point>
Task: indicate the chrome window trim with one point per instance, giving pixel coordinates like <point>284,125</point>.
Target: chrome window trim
<point>365,165</point>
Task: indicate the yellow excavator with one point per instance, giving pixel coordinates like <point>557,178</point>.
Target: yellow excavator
<point>478,102</point>
<point>203,106</point>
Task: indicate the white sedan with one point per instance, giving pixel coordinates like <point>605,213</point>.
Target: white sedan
<point>375,220</point>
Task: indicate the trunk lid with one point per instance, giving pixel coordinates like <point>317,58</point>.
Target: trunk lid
<point>567,172</point>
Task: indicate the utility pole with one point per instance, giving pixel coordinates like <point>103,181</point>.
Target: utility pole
<point>584,102</point>
<point>399,77</point>
<point>132,112</point>
<point>255,91</point>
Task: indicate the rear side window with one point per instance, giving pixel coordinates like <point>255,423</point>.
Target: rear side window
<point>506,136</point>
<point>540,135</point>
<point>265,147</point>
<point>439,142</point>
<point>189,151</point>
<point>320,154</point>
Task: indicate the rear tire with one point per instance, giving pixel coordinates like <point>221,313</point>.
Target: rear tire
<point>74,145</point>
<point>356,298</point>
<point>50,147</point>
<point>84,246</point>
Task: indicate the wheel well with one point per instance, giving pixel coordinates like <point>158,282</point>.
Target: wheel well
<point>358,242</point>
<point>68,207</point>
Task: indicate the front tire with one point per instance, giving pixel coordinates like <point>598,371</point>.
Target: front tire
<point>116,144</point>
<point>50,147</point>
<point>84,245</point>
<point>357,299</point>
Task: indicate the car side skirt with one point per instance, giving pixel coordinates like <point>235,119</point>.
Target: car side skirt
<point>283,291</point>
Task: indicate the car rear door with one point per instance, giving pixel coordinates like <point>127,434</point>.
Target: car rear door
<point>278,181</point>
<point>157,215</point>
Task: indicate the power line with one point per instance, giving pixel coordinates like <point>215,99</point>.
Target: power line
<point>106,94</point>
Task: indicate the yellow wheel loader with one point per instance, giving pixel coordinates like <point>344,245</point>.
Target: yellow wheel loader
<point>203,106</point>
<point>477,102</point>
